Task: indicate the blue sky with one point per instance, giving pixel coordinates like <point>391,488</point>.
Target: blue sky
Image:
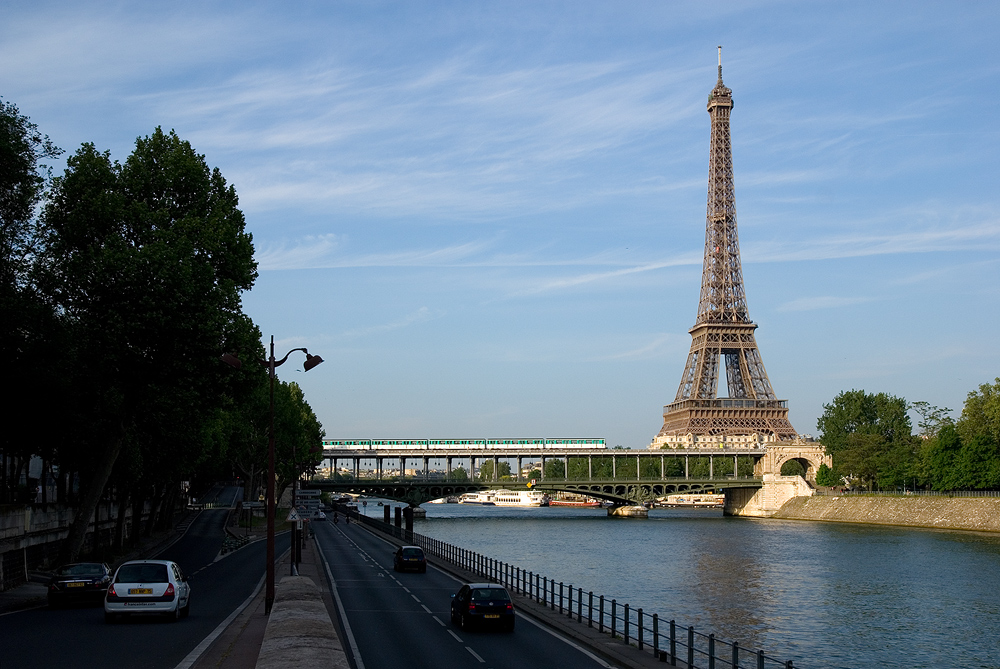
<point>488,217</point>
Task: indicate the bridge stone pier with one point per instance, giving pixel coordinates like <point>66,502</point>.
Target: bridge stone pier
<point>765,501</point>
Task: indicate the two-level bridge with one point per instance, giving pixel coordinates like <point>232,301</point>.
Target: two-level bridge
<point>635,476</point>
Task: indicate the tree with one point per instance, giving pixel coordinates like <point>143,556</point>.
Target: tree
<point>146,261</point>
<point>932,418</point>
<point>31,328</point>
<point>458,474</point>
<point>555,469</point>
<point>867,434</point>
<point>486,470</point>
<point>981,413</point>
<point>825,476</point>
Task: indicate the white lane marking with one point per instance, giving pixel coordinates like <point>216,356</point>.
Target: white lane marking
<point>343,614</point>
<point>427,610</point>
<point>545,628</point>
<point>405,588</point>
<point>415,598</point>
<point>30,608</point>
<point>475,655</point>
<point>457,638</point>
<point>193,656</point>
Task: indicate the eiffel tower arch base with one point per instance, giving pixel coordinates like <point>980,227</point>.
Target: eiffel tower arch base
<point>765,501</point>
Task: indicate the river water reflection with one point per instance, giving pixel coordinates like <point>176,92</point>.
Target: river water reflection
<point>821,594</point>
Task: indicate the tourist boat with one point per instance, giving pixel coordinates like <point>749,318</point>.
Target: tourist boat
<point>703,500</point>
<point>575,500</point>
<point>518,498</point>
<point>481,498</point>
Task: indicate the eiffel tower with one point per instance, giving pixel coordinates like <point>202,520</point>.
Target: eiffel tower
<point>723,328</point>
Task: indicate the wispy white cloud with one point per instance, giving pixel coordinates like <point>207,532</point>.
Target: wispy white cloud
<point>822,302</point>
<point>421,315</point>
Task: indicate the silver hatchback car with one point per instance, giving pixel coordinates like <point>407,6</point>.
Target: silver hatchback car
<point>147,587</point>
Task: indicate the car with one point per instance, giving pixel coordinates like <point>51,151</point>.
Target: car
<point>478,605</point>
<point>410,557</point>
<point>148,587</point>
<point>79,582</point>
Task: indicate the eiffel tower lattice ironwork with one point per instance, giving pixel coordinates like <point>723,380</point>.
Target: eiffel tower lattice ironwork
<point>723,329</point>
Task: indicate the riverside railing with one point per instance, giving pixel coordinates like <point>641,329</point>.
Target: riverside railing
<point>910,493</point>
<point>669,642</point>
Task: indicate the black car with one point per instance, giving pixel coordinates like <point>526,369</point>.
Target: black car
<point>77,582</point>
<point>478,605</point>
<point>409,557</point>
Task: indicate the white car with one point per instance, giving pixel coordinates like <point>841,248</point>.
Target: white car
<point>148,587</point>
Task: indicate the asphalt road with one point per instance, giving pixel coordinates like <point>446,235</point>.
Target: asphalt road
<point>403,620</point>
<point>79,637</point>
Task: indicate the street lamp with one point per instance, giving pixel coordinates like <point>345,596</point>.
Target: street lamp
<point>271,363</point>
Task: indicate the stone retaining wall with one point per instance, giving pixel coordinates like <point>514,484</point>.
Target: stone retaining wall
<point>981,514</point>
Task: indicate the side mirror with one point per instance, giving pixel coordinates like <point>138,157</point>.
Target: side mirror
<point>453,596</point>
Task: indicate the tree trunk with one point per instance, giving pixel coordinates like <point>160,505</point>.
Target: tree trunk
<point>119,540</point>
<point>154,510</point>
<point>89,500</point>
<point>138,504</point>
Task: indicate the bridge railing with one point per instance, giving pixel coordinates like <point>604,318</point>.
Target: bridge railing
<point>667,641</point>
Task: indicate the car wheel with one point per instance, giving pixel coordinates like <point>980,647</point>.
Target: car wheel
<point>464,623</point>
<point>186,611</point>
<point>423,569</point>
<point>53,603</point>
<point>175,615</point>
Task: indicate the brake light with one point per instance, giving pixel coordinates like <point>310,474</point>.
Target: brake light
<point>472,607</point>
<point>169,592</point>
<point>510,607</point>
<point>111,591</point>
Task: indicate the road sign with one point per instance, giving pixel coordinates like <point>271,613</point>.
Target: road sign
<point>293,515</point>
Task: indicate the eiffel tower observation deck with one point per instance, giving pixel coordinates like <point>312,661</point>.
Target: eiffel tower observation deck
<point>751,413</point>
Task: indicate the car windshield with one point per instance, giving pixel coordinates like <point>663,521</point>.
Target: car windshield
<point>496,594</point>
<point>142,573</point>
<point>80,570</point>
<point>412,552</point>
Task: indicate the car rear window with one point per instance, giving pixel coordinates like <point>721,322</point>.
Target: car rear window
<point>496,594</point>
<point>81,570</point>
<point>142,573</point>
<point>412,552</point>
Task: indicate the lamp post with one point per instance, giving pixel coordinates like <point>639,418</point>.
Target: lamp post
<point>271,363</point>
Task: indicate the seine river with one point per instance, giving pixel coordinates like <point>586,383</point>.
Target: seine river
<point>821,594</point>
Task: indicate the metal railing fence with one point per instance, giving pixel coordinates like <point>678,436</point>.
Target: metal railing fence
<point>669,642</point>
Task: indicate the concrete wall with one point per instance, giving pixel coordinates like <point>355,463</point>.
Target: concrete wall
<point>954,513</point>
<point>765,501</point>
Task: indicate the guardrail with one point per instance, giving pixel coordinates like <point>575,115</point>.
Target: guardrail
<point>666,640</point>
<point>910,493</point>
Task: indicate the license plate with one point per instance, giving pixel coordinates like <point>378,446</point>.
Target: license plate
<point>74,585</point>
<point>491,615</point>
<point>140,591</point>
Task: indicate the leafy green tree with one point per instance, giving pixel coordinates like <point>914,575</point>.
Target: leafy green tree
<point>146,262</point>
<point>458,474</point>
<point>932,418</point>
<point>981,413</point>
<point>535,474</point>
<point>555,469</point>
<point>486,470</point>
<point>869,437</point>
<point>793,468</point>
<point>31,328</point>
<point>649,468</point>
<point>825,476</point>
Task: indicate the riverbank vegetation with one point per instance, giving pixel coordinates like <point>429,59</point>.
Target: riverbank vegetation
<point>871,439</point>
<point>120,288</point>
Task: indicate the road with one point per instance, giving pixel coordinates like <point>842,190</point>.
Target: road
<point>403,620</point>
<point>79,637</point>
